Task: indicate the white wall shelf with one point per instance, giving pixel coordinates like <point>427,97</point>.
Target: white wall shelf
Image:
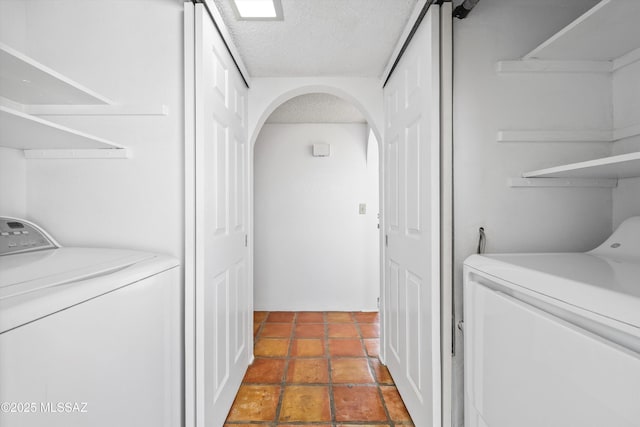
<point>26,132</point>
<point>554,136</point>
<point>602,40</point>
<point>614,167</point>
<point>87,153</point>
<point>29,89</point>
<point>27,81</point>
<point>563,182</point>
<point>606,32</point>
<point>97,110</point>
<point>599,135</point>
<point>547,66</point>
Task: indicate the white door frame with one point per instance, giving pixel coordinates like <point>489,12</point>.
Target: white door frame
<point>193,180</point>
<point>432,233</point>
<point>359,92</point>
<point>268,99</point>
<point>189,217</point>
<point>446,208</point>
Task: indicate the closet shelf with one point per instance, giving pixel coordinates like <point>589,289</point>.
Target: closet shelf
<point>553,66</point>
<point>597,135</point>
<point>86,153</point>
<point>614,167</point>
<point>29,88</point>
<point>97,110</point>
<point>563,182</point>
<point>554,136</point>
<point>24,80</point>
<point>603,39</point>
<point>26,132</point>
<point>606,32</point>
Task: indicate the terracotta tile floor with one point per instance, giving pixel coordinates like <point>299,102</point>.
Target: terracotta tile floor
<point>317,369</point>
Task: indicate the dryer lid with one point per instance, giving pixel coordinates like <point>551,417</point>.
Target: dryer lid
<point>28,272</point>
<point>605,280</point>
<point>601,285</point>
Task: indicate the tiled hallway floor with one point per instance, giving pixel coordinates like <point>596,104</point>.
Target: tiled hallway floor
<point>317,369</point>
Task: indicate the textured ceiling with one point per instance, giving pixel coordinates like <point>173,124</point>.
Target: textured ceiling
<point>320,37</point>
<point>316,108</point>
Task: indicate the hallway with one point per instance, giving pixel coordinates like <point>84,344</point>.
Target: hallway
<point>317,369</point>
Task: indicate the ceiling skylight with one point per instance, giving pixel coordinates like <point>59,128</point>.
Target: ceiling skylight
<point>267,10</point>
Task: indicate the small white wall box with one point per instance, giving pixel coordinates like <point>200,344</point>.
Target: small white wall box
<point>321,150</point>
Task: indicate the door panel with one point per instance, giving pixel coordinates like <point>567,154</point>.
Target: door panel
<point>392,178</point>
<point>414,337</point>
<point>393,312</point>
<point>221,158</point>
<point>412,167</point>
<point>238,193</point>
<point>412,205</point>
<point>217,295</point>
<point>240,321</point>
<point>216,170</point>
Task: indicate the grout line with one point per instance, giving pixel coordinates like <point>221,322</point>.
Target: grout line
<point>332,402</point>
<point>375,376</point>
<point>259,331</point>
<point>384,406</point>
<point>283,384</point>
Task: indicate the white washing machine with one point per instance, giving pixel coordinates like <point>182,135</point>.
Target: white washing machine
<point>553,340</point>
<point>88,337</point>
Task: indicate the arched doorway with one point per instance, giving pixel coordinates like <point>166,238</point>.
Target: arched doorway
<point>316,234</point>
<point>267,94</point>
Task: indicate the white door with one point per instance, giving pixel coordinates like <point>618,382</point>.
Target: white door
<point>223,330</point>
<point>412,224</point>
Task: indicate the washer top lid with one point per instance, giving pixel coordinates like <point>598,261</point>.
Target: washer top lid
<point>603,285</point>
<point>27,272</point>
<point>605,280</point>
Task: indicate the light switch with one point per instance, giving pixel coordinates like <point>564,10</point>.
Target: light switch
<point>363,209</point>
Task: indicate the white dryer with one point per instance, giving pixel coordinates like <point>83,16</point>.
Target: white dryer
<point>553,339</point>
<point>88,337</point>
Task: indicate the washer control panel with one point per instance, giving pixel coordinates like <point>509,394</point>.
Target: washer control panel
<point>21,236</point>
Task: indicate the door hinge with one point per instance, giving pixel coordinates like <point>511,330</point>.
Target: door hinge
<point>246,240</point>
<point>386,240</point>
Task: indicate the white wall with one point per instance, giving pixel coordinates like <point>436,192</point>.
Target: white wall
<point>520,219</point>
<point>13,188</point>
<point>372,243</point>
<point>626,96</point>
<point>626,108</point>
<point>310,241</point>
<point>13,23</point>
<point>131,52</point>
